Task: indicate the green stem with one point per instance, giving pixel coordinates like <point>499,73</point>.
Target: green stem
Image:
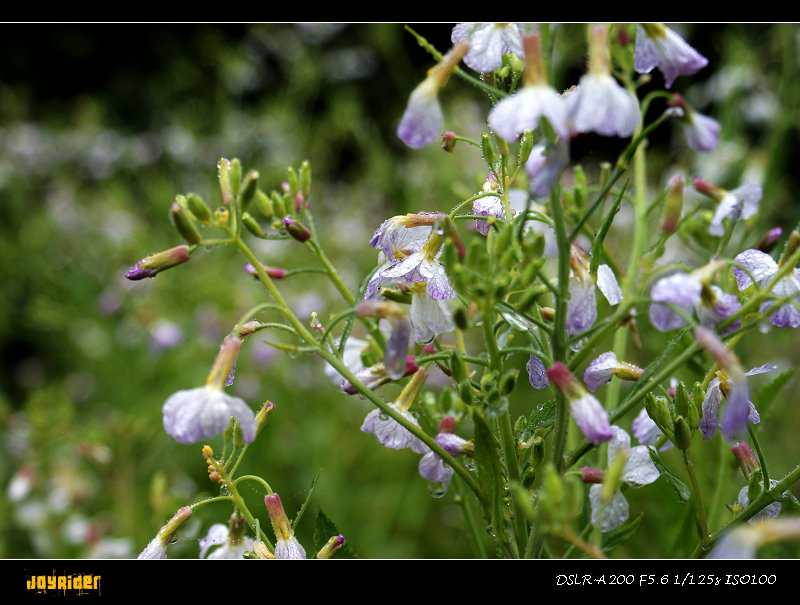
<point>697,496</point>
<point>759,453</point>
<point>472,529</point>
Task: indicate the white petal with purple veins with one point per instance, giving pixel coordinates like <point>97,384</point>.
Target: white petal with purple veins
<point>760,264</point>
<point>608,285</point>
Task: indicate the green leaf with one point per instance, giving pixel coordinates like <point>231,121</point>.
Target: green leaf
<point>684,493</point>
<point>489,472</point>
<point>542,416</point>
<point>324,530</point>
<point>768,393</point>
<point>617,537</point>
<point>300,512</point>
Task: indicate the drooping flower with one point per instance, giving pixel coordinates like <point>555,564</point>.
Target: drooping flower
<point>659,46</point>
<point>702,132</point>
<point>488,206</point>
<point>544,166</point>
<point>422,120</point>
<point>429,317</point>
<point>600,104</point>
<point>375,376</point>
<point>721,386</point>
<point>763,269</point>
<point>739,204</point>
<point>606,366</point>
<point>582,304</point>
<point>522,111</point>
<point>488,42</point>
<point>286,545</point>
<point>395,234</point>
<point>196,414</point>
<point>431,466</point>
<point>691,292</point>
<point>231,538</point>
<point>157,547</point>
<point>733,380</point>
<point>638,471</point>
<point>589,415</point>
<point>387,430</point>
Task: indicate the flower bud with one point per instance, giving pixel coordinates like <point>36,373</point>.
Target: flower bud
<point>291,179</point>
<point>249,188</point>
<point>767,243</point>
<point>273,272</point>
<point>235,176</point>
<point>522,501</point>
<point>507,382</point>
<point>747,460</point>
<point>683,434</point>
<point>331,546</point>
<point>224,176</point>
<point>457,367</point>
<point>525,147</point>
<point>487,150</point>
<point>263,415</point>
<point>681,400</point>
<point>465,392</point>
<point>449,141</point>
<point>198,207</point>
<point>252,225</point>
<point>297,230</point>
<point>591,475</point>
<point>278,205</point>
<point>673,205</point>
<point>183,222</point>
<point>156,263</point>
<point>264,205</point>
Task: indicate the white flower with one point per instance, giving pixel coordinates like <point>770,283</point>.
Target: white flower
<point>201,413</point>
<point>659,46</point>
<point>391,434</point>
<point>230,549</point>
<point>639,470</point>
<point>488,42</point>
<point>521,111</point>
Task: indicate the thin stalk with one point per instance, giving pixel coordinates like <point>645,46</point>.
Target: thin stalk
<point>697,496</point>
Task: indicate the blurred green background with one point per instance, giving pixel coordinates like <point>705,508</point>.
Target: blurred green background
<point>101,126</point>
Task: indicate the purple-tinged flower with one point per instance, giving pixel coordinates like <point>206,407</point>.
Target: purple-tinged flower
<point>638,471</point>
<point>423,266</point>
<point>431,466</point>
<point>234,542</point>
<point>286,545</point>
<point>544,166</point>
<point>165,334</point>
<point>488,206</point>
<point>391,433</point>
<point>522,111</point>
<point>768,512</point>
<point>589,415</point>
<point>606,366</point>
<point>197,414</point>
<point>398,233</point>
<point>741,203</point>
<point>659,46</point>
<point>394,359</point>
<point>488,42</point>
<point>747,460</point>
<point>691,292</point>
<point>537,375</point>
<point>702,132</point>
<point>600,104</point>
<point>157,547</point>
<point>422,120</point>
<point>582,304</point>
<point>646,430</point>
<point>154,264</point>
<point>737,395</point>
<point>763,269</point>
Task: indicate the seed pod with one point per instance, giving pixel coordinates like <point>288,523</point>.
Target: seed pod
<point>248,188</point>
<point>252,225</point>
